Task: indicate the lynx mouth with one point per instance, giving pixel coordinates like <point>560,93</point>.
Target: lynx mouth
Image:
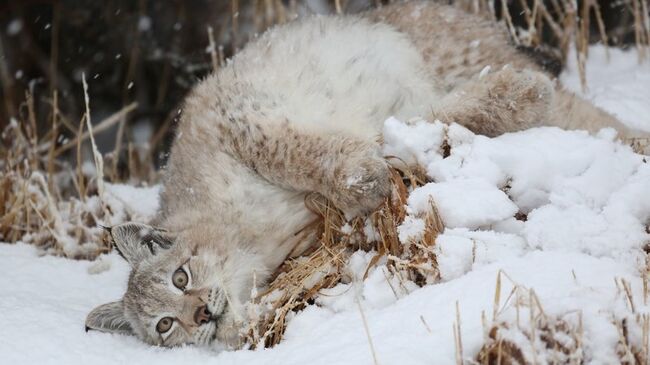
<point>217,304</point>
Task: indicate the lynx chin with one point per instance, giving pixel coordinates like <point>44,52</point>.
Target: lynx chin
<point>300,110</point>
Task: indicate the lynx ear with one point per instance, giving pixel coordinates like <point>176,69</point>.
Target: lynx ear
<point>136,241</point>
<point>109,318</point>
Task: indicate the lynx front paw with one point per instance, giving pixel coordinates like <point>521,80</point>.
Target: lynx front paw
<point>361,184</point>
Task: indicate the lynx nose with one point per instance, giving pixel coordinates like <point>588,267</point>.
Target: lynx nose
<point>202,315</point>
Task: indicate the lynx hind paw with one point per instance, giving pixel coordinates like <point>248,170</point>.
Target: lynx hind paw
<point>537,86</point>
<point>528,92</point>
<point>362,185</point>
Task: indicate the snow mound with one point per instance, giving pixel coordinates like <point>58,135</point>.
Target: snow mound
<point>558,190</point>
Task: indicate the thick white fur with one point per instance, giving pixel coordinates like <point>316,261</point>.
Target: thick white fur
<point>335,75</point>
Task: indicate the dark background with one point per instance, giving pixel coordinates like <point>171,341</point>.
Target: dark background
<point>152,52</point>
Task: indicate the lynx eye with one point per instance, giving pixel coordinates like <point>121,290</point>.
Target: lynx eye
<point>180,278</point>
<point>164,324</point>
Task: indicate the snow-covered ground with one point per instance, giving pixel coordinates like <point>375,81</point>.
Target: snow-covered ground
<point>582,203</point>
<point>619,86</point>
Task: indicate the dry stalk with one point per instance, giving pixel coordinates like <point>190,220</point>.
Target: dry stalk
<point>281,12</point>
<point>338,7</point>
<point>54,45</point>
<point>497,297</point>
<point>81,183</point>
<point>6,80</point>
<point>505,14</point>
<point>639,33</point>
<point>53,135</point>
<point>213,49</point>
<point>367,330</point>
<point>100,127</point>
<point>128,84</point>
<point>582,45</point>
<point>601,26</point>
<point>32,131</point>
<point>458,337</point>
<point>628,294</point>
<point>234,12</point>
<point>99,161</point>
<point>560,337</point>
<point>646,22</point>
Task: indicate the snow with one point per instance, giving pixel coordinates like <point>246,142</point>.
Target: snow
<point>144,23</point>
<point>463,202</point>
<point>140,203</point>
<point>619,86</point>
<point>14,27</point>
<point>415,143</point>
<point>43,316</point>
<point>549,214</point>
<point>571,186</point>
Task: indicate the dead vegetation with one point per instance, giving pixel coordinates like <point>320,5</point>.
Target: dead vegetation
<point>557,26</point>
<point>522,333</point>
<point>47,202</point>
<point>299,281</point>
<point>51,191</point>
<point>151,53</point>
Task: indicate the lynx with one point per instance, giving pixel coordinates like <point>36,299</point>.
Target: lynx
<point>300,110</point>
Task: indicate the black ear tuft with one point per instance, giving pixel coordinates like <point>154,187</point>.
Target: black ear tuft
<point>544,57</point>
<point>135,241</point>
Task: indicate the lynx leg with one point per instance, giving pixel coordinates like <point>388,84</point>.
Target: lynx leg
<point>499,102</point>
<point>570,111</point>
<point>350,172</point>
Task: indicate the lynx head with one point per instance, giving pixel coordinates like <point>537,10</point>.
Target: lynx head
<point>175,294</point>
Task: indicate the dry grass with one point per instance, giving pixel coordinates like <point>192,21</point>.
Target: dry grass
<point>633,347</point>
<point>553,338</point>
<point>522,333</point>
<point>45,201</point>
<point>298,282</point>
<point>24,153</point>
<point>57,206</point>
<point>567,22</point>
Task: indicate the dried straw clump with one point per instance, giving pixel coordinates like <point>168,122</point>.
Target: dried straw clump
<point>44,201</point>
<point>299,281</point>
<point>553,339</point>
<point>522,333</point>
<point>633,346</point>
<point>632,352</point>
<point>37,207</point>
